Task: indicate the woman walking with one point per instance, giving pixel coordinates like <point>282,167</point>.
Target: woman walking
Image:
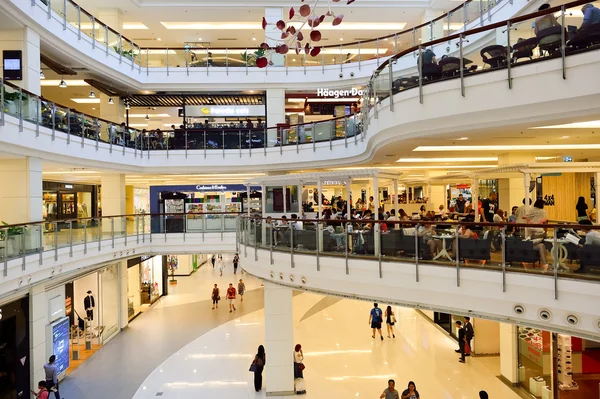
<point>220,266</point>
<point>299,370</point>
<point>390,320</point>
<point>215,297</point>
<point>258,364</point>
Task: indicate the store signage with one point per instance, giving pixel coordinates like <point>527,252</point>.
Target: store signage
<point>333,182</point>
<point>567,159</point>
<point>224,110</point>
<point>12,64</point>
<point>57,335</point>
<point>136,261</point>
<point>214,187</point>
<point>68,186</point>
<point>354,92</point>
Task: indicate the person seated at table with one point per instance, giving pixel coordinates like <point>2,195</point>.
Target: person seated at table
<point>296,223</point>
<point>282,228</point>
<point>159,139</point>
<point>464,232</point>
<point>591,16</point>
<point>359,204</point>
<point>537,215</point>
<point>592,237</point>
<point>393,218</point>
<point>402,215</point>
<point>427,232</point>
<point>428,57</point>
<point>422,211</point>
<point>443,212</point>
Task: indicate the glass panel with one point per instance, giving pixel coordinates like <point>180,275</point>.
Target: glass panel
<point>324,130</point>
<point>128,52</point>
<point>198,57</point>
<point>87,25</point>
<point>11,100</point>
<point>234,58</point>
<point>456,21</point>
<point>213,222</point>
<point>113,43</point>
<point>72,17</point>
<point>57,7</point>
<point>14,241</point>
<point>46,113</point>
<point>109,298</point>
<point>438,28</point>
<point>60,119</point>
<point>473,13</point>
<point>177,58</point>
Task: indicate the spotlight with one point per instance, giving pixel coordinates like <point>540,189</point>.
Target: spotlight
<point>147,117</point>
<point>62,84</point>
<point>92,94</point>
<point>127,106</point>
<point>42,76</point>
<point>110,100</point>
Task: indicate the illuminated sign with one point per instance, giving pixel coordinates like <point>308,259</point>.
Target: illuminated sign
<point>567,159</point>
<point>57,335</point>
<point>68,186</point>
<point>354,92</point>
<point>225,110</point>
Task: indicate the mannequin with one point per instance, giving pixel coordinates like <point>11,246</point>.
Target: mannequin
<point>89,304</point>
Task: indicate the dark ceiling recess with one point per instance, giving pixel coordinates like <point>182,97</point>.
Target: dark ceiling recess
<point>104,88</point>
<point>176,100</point>
<point>56,67</point>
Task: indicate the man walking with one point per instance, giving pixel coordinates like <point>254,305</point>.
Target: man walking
<point>390,392</point>
<point>236,260</point>
<point>461,341</point>
<point>212,260</point>
<point>52,377</point>
<point>241,289</point>
<point>231,297</point>
<point>375,319</point>
<point>469,332</point>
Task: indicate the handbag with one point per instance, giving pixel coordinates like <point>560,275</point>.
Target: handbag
<point>467,349</point>
<point>301,367</point>
<point>253,367</point>
<point>393,318</point>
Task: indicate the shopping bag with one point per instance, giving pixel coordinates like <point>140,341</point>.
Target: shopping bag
<point>467,349</point>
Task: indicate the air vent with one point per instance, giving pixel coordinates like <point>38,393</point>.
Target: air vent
<point>572,319</point>
<point>545,314</point>
<point>519,309</point>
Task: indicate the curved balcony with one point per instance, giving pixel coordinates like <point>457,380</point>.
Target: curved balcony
<point>97,46</point>
<point>487,279</point>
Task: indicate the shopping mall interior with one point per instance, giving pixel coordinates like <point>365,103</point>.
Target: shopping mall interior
<point>383,198</point>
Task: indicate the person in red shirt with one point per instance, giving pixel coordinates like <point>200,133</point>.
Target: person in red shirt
<point>231,297</point>
<point>43,392</point>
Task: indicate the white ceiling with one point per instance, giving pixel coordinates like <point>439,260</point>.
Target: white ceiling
<point>151,13</point>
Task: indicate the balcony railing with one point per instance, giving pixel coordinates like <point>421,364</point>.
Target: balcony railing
<point>558,250</point>
<point>85,130</point>
<point>187,57</point>
<point>517,42</point>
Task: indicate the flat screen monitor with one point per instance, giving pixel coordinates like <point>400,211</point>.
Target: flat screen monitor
<point>57,343</point>
<point>12,64</point>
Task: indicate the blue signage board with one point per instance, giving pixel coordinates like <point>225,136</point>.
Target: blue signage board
<point>58,337</point>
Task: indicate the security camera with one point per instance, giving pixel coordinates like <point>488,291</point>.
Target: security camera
<point>341,75</point>
<point>351,74</point>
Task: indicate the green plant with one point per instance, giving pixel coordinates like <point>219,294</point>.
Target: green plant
<point>250,58</point>
<point>14,96</point>
<point>12,231</point>
<point>125,53</point>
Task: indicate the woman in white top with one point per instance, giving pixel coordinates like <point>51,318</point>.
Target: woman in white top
<point>298,369</point>
<point>220,266</point>
<point>537,215</point>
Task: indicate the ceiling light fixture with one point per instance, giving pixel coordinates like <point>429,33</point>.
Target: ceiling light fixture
<point>42,76</point>
<point>92,94</point>
<point>147,117</point>
<point>253,39</point>
<point>159,39</point>
<point>200,38</point>
<point>110,100</point>
<point>62,84</point>
<point>127,106</point>
<point>508,147</point>
<point>463,159</point>
<point>574,125</point>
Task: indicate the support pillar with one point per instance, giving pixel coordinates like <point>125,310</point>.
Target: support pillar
<point>396,197</point>
<point>123,282</point>
<point>279,340</point>
<point>319,199</point>
<point>597,189</point>
<point>28,41</point>
<point>475,197</point>
<point>509,353</point>
<point>21,190</point>
<point>272,15</point>
<point>38,318</point>
<point>275,111</point>
<point>348,199</point>
<point>113,200</point>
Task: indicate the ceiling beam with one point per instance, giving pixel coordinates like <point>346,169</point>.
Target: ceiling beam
<point>56,67</point>
<point>104,88</point>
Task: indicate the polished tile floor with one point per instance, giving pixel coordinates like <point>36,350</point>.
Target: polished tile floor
<point>184,349</point>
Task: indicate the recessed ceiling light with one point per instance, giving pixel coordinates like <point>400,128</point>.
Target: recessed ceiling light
<point>293,60</point>
<point>253,39</point>
<point>508,147</point>
<point>575,125</point>
<point>341,39</point>
<point>251,91</point>
<point>159,39</point>
<point>565,137</point>
<point>200,38</point>
<point>462,159</point>
<point>86,100</point>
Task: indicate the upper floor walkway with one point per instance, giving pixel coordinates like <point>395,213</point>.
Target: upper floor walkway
<point>487,278</point>
<point>108,53</point>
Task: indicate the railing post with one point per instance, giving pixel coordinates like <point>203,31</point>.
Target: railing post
<point>186,142</point>
<point>49,9</point>
<point>291,230</point>
<point>64,14</point>
<point>137,229</point>
<point>227,62</point>
<point>255,242</point>
<point>508,57</point>
<point>97,130</point>
<point>250,143</point>
<point>462,66</point>
<point>314,138</point>
<point>168,144</point>
<point>378,247</point>
<point>85,237</point>
<point>79,23</point>
<point>41,249</point>
<point>481,12</point>
<point>416,253</point>
<point>20,109</point>
<point>265,139</point>
<point>53,121</point>
<point>223,141</point>
<point>456,234</point>
<point>70,238</point>
<point>37,116</point>
<point>359,63</point>
<point>112,232</point>
<point>144,229</point>
<point>205,144</point>
<point>503,237</point>
<point>82,130</point>
<point>271,244</point>
<point>563,42</point>
<point>99,235</point>
<point>120,48</point>
<point>69,126</point>
<point>420,74</point>
<point>414,37</point>
<point>318,245</point>
<point>345,131</point>
<point>55,241</point>
<point>147,62</point>
<point>93,33</point>
<point>167,61</point>
<point>106,40</point>
<point>465,16</point>
<point>555,255</point>
<point>239,141</point>
<point>377,51</point>
<point>246,61</point>
<point>391,79</point>
<point>1,102</point>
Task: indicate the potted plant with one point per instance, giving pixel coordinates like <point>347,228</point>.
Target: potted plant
<point>129,54</point>
<point>13,237</point>
<point>250,58</point>
<point>10,102</point>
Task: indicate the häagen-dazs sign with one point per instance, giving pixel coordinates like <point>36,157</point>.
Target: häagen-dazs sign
<point>354,92</point>
<point>214,187</point>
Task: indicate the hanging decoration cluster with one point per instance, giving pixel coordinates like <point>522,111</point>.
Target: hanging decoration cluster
<point>292,38</point>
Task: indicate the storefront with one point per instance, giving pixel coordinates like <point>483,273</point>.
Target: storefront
<point>14,349</point>
<point>184,265</point>
<point>62,201</point>
<point>192,200</point>
<point>91,304</point>
<point>146,283</point>
<point>141,200</point>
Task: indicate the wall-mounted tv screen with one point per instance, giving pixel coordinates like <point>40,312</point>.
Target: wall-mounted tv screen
<point>12,64</point>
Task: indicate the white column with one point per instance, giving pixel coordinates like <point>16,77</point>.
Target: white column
<point>28,41</point>
<point>396,196</point>
<point>123,281</point>
<point>38,318</point>
<point>475,197</point>
<point>275,111</point>
<point>272,15</point>
<point>348,198</point>
<point>284,200</point>
<point>21,190</point>
<point>248,199</point>
<point>279,340</point>
<point>299,198</point>
<point>319,199</point>
<point>113,199</point>
<point>509,352</point>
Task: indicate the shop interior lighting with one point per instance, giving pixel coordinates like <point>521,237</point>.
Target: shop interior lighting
<point>536,147</point>
<point>575,125</point>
